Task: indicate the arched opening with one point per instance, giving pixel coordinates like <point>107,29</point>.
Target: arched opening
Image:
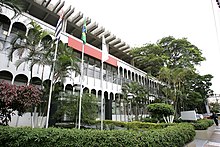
<point>46,83</point>
<point>93,91</point>
<point>129,74</point>
<point>116,107</point>
<point>4,23</point>
<point>132,76</point>
<point>136,77</point>
<point>108,106</point>
<point>18,28</point>
<point>99,103</point>
<point>58,88</point>
<point>46,38</point>
<point>69,89</point>
<point>139,78</point>
<point>125,73</point>
<point>142,80</point>
<point>36,81</point>
<point>21,79</point>
<point>6,76</point>
<point>85,90</point>
<point>121,71</point>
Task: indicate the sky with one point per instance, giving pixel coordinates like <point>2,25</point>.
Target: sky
<point>146,21</point>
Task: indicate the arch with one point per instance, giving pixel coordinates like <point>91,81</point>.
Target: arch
<point>139,78</point>
<point>20,79</point>
<point>136,77</point>
<point>46,83</point>
<point>111,96</point>
<point>85,90</point>
<point>35,81</point>
<point>93,91</point>
<point>142,80</point>
<point>4,22</point>
<point>6,75</point>
<point>106,94</point>
<point>18,27</point>
<point>125,73</point>
<point>129,74</point>
<point>117,95</point>
<point>132,76</point>
<point>99,95</point>
<point>59,85</point>
<point>47,39</point>
<point>121,71</point>
<point>68,87</point>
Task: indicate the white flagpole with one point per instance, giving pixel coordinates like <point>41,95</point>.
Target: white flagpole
<point>81,86</point>
<point>57,35</point>
<point>102,97</point>
<point>104,58</point>
<point>51,84</point>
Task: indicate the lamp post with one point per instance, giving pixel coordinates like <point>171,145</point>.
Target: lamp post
<point>130,96</point>
<point>79,88</point>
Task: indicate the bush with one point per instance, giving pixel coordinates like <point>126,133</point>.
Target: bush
<point>135,125</point>
<point>152,120</point>
<point>177,135</point>
<point>158,110</point>
<point>202,124</point>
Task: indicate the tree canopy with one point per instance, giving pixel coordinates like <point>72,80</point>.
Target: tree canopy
<point>174,61</point>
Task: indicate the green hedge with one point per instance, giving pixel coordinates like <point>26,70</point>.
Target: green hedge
<point>135,125</point>
<point>175,136</point>
<point>202,124</point>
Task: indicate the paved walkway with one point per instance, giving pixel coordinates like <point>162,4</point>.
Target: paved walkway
<point>214,141</point>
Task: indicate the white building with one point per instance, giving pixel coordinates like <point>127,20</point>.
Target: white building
<point>117,68</point>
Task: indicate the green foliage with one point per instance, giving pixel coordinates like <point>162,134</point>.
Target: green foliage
<point>158,110</point>
<point>202,124</point>
<point>139,98</point>
<point>215,107</point>
<point>69,106</point>
<point>174,62</point>
<point>134,125</point>
<point>148,58</point>
<point>175,136</point>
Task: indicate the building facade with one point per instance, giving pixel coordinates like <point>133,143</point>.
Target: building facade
<point>117,69</point>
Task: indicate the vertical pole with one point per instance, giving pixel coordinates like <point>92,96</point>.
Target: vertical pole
<point>102,97</point>
<point>81,87</point>
<point>51,84</point>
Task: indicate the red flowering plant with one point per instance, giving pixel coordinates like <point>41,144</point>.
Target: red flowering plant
<point>17,98</point>
<point>7,94</point>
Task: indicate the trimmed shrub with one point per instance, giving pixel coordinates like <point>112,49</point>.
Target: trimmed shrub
<point>158,110</point>
<point>202,124</point>
<point>177,135</point>
<point>135,125</point>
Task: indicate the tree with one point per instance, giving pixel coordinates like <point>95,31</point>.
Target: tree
<point>69,106</point>
<point>148,58</point>
<point>139,99</point>
<point>160,110</point>
<point>36,48</point>
<point>17,98</point>
<point>198,90</point>
<point>215,107</point>
<point>172,61</point>
<point>32,45</point>
<point>66,63</point>
<point>180,53</point>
